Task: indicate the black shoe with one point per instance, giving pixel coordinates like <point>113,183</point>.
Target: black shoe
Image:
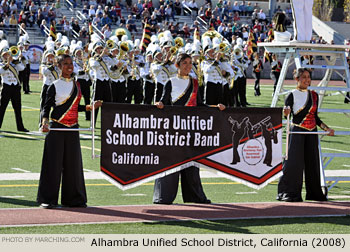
<point>23,130</point>
<point>47,206</point>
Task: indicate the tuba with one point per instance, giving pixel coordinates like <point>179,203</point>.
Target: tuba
<point>124,48</point>
<point>238,53</point>
<point>110,44</point>
<point>179,42</point>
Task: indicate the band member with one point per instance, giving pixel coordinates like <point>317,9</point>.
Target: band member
<point>197,58</point>
<point>22,74</point>
<point>49,71</point>
<point>62,152</point>
<point>303,153</point>
<point>213,93</point>
<point>241,61</point>
<point>302,16</point>
<point>181,91</point>
<point>80,69</point>
<point>28,58</point>
<point>10,88</point>
<point>159,72</point>
<point>257,68</point>
<point>148,83</point>
<point>276,67</point>
<point>117,66</point>
<point>99,70</point>
<point>134,83</point>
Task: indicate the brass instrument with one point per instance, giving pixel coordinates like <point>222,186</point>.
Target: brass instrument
<point>133,68</point>
<point>179,42</point>
<point>110,44</point>
<point>173,50</point>
<point>14,51</point>
<point>124,48</point>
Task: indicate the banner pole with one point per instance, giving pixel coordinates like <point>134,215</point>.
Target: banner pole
<point>287,137</point>
<point>93,129</point>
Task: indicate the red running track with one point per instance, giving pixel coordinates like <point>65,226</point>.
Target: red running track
<point>147,213</point>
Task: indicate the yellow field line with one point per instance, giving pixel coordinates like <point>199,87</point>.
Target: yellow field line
<point>151,184</point>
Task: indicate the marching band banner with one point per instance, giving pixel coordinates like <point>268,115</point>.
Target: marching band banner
<point>141,142</point>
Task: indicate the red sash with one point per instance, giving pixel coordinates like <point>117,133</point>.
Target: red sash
<point>192,102</point>
<point>70,118</point>
<point>310,121</point>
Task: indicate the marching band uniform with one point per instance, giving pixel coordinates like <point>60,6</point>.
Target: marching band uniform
<point>161,76</point>
<point>118,81</point>
<point>100,72</point>
<point>276,67</point>
<point>180,92</point>
<point>303,154</point>
<point>27,55</point>
<point>62,152</point>
<point>10,88</point>
<point>257,68</point>
<point>240,84</point>
<point>148,84</point>
<point>213,79</point>
<point>85,83</point>
<point>134,83</point>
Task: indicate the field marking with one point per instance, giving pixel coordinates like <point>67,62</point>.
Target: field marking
<point>19,169</point>
<point>12,197</point>
<point>325,148</point>
<point>89,148</point>
<point>5,134</point>
<point>246,192</point>
<point>339,196</point>
<point>87,170</point>
<point>137,194</point>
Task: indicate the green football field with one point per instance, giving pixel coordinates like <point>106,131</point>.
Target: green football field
<point>21,154</point>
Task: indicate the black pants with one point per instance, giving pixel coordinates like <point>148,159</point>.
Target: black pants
<point>165,188</point>
<point>275,76</point>
<point>13,93</point>
<point>238,93</point>
<point>42,101</point>
<point>303,156</point>
<point>159,92</point>
<point>85,91</point>
<point>134,89</point>
<point>62,158</point>
<point>103,91</point>
<point>256,76</point>
<point>213,93</point>
<point>119,91</point>
<point>149,90</point>
<point>26,79</point>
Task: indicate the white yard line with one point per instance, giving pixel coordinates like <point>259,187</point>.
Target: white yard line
<point>21,170</point>
<point>11,197</point>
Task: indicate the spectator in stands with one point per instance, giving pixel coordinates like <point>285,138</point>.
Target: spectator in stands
<point>225,10</point>
<point>83,33</point>
<point>122,21</point>
<point>235,8</point>
<point>177,7</point>
<point>245,34</point>
<point>39,17</point>
<point>85,10</point>
<point>221,28</point>
<point>158,15</point>
<point>109,3</point>
<point>105,20</point>
<point>249,9</point>
<point>107,32</point>
<point>31,19</point>
<point>220,5</point>
<point>173,31</point>
<point>135,12</point>
<point>42,27</point>
<point>76,26</point>
<point>194,26</point>
<point>255,15</point>
<point>113,15</point>
<point>145,14</point>
<point>97,21</point>
<point>99,11</point>
<point>201,13</point>
<point>58,8</point>
<point>186,31</point>
<point>278,9</point>
<point>22,17</point>
<point>131,23</point>
<point>13,7</point>
<point>236,17</point>
<point>33,8</point>
<point>208,14</point>
<point>118,9</point>
<point>66,28</point>
<point>51,15</point>
<point>243,9</point>
<point>262,16</point>
<point>194,7</point>
<point>169,13</point>
<point>149,5</point>
<point>13,21</point>
<point>92,12</point>
<point>128,5</point>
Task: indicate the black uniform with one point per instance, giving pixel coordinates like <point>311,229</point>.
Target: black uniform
<point>62,152</point>
<point>165,188</point>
